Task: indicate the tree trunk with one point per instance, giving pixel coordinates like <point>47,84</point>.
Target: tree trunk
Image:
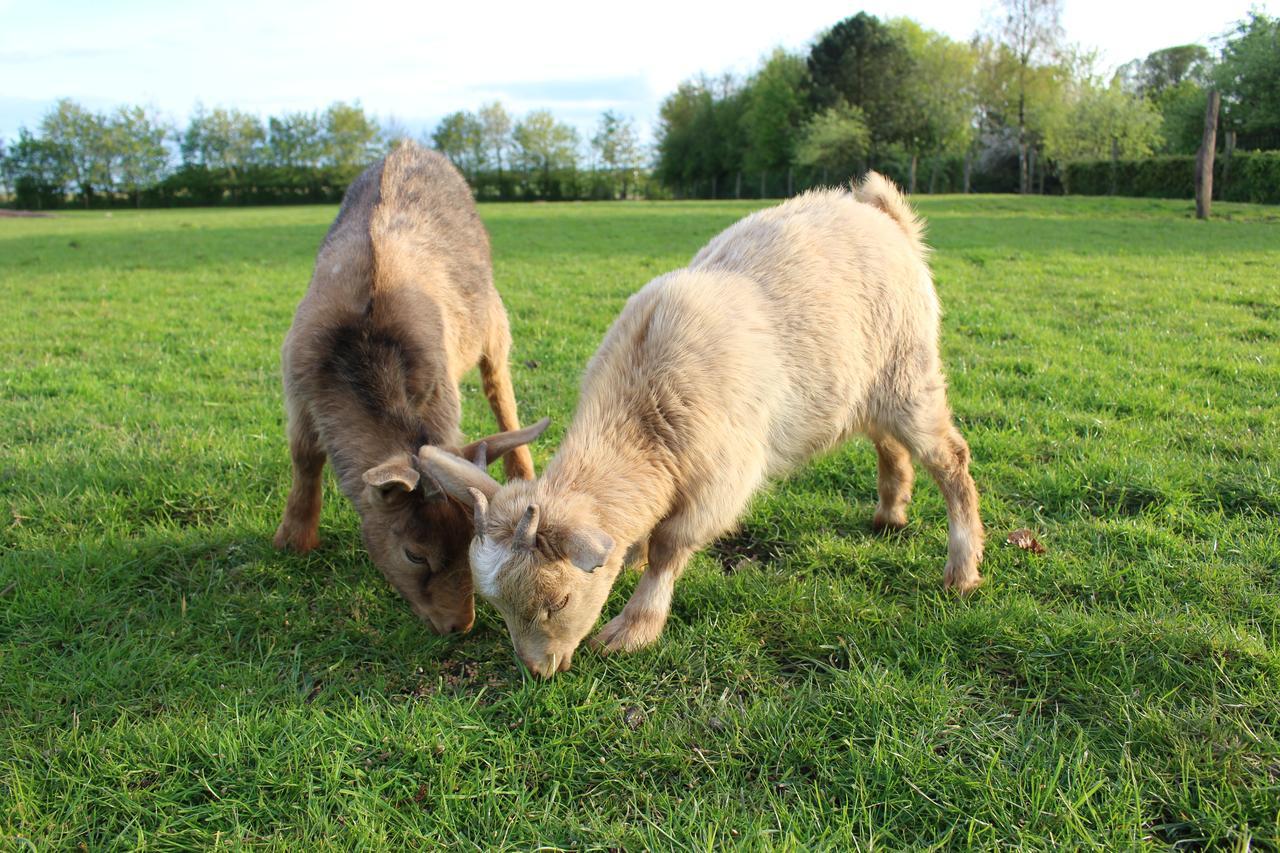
<point>790,190</point>
<point>1204,159</point>
<point>912,183</point>
<point>737,186</point>
<point>1031,169</point>
<point>968,172</point>
<point>763,175</point>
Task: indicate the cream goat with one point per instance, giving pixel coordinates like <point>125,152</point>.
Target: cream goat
<point>794,329</point>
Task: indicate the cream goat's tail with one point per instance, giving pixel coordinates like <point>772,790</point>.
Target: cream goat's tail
<point>878,191</point>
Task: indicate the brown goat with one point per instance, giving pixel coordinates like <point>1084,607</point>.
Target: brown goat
<point>794,329</point>
<point>401,304</point>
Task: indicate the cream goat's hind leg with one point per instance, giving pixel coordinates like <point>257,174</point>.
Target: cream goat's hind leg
<point>299,530</point>
<point>495,376</point>
<point>643,618</point>
<point>926,429</point>
<point>895,476</point>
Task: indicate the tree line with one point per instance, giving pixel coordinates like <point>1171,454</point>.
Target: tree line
<point>1007,110</point>
<point>132,155</point>
<point>1004,111</point>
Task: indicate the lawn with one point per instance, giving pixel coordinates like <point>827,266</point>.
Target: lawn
<point>168,680</point>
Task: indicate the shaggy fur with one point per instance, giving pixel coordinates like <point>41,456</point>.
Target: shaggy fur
<point>793,330</point>
<point>401,304</point>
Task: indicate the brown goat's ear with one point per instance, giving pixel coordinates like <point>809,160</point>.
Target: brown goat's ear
<point>587,549</point>
<point>454,475</point>
<point>500,444</point>
<point>397,475</point>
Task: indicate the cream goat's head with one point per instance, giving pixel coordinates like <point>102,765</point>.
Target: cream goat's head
<point>546,566</point>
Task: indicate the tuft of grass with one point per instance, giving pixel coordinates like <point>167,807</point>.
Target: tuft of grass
<point>168,680</point>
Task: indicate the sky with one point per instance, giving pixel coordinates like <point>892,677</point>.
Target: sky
<point>417,61</point>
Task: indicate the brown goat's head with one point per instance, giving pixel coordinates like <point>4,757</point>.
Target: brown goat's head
<point>417,535</point>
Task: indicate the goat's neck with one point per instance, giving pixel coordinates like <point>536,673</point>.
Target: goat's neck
<point>629,489</point>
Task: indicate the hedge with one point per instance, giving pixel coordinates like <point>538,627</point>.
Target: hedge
<point>1249,176</point>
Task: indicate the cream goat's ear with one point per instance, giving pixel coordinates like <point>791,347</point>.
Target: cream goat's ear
<point>454,475</point>
<point>500,444</point>
<point>588,549</point>
<point>397,475</point>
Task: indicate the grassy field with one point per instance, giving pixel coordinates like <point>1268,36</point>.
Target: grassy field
<point>167,679</point>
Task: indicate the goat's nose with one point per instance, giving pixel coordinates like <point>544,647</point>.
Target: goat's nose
<point>538,668</point>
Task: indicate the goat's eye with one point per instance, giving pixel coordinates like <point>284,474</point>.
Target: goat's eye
<point>553,608</point>
<point>414,558</point>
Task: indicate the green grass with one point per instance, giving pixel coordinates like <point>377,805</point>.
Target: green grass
<point>168,680</point>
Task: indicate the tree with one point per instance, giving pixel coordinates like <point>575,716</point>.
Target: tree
<point>776,107</point>
<point>835,140</point>
<point>865,64</point>
<point>350,137</point>
<point>223,139</point>
<point>618,146</point>
<point>1102,122</point>
<point>938,101</point>
<point>457,136</point>
<point>137,143</point>
<point>545,145</point>
<point>81,137</point>
<point>37,169</point>
<point>1032,31</point>
<point>1165,69</point>
<point>296,140</point>
<point>495,131</point>
<point>1248,77</point>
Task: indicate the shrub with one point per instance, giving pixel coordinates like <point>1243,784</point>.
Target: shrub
<point>1250,176</point>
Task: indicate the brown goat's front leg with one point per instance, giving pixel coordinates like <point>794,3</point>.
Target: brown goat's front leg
<point>299,530</point>
<point>495,376</point>
<point>641,621</point>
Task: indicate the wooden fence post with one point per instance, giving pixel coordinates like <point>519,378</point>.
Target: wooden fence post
<point>1204,159</point>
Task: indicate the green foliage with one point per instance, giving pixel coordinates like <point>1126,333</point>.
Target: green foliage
<point>1182,116</point>
<point>296,140</point>
<point>938,100</point>
<point>545,150</point>
<point>1252,176</point>
<point>1102,119</point>
<point>223,139</point>
<point>836,140</point>
<point>169,681</point>
<point>617,145</point>
<point>351,138</point>
<point>38,171</point>
<point>137,145</point>
<point>866,64</point>
<point>1248,77</point>
<point>82,137</point>
<point>776,106</point>
<point>1165,69</point>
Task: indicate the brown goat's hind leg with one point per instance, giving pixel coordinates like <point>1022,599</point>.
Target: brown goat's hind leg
<point>932,438</point>
<point>895,476</point>
<point>645,615</point>
<point>299,530</point>
<point>495,376</point>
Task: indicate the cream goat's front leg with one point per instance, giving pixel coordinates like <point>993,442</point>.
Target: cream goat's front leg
<point>642,620</point>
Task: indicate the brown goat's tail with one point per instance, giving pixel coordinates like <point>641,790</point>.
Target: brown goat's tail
<point>878,191</point>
